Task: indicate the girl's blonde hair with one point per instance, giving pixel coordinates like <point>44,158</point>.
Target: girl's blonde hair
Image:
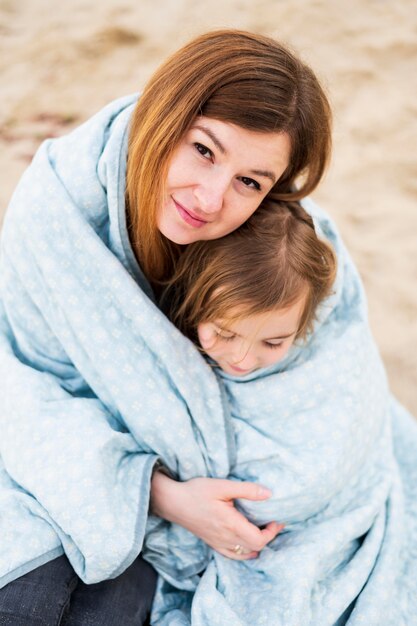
<point>267,264</point>
<point>236,77</point>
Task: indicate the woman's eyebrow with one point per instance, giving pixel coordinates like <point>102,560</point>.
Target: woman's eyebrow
<point>213,137</point>
<point>220,146</point>
<point>266,174</point>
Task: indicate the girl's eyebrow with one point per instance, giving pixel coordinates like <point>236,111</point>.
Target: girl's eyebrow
<point>226,330</point>
<point>282,337</point>
<point>220,146</point>
<point>232,332</point>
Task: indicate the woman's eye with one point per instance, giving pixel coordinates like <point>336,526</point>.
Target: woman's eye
<point>203,150</point>
<point>249,182</point>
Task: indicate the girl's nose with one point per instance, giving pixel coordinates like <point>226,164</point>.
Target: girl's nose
<point>244,357</point>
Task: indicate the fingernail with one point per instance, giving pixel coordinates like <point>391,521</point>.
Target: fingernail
<point>263,492</point>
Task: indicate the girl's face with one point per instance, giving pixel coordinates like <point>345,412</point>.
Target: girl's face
<point>251,342</point>
<point>217,178</point>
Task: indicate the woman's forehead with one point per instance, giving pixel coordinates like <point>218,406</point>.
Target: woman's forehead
<point>266,153</point>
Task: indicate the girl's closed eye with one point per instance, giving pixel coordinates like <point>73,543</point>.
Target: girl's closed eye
<point>225,338</point>
<point>224,334</point>
<point>273,345</point>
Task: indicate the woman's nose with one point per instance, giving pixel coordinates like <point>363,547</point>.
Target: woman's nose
<point>210,197</point>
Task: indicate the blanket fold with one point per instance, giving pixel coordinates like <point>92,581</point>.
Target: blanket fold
<point>96,384</point>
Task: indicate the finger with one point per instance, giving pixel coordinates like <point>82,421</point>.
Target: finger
<point>231,554</point>
<point>249,535</point>
<point>247,491</point>
<point>253,537</point>
<point>239,549</point>
<point>242,557</point>
<point>271,530</point>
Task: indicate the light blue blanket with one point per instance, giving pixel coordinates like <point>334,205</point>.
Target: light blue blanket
<point>96,384</point>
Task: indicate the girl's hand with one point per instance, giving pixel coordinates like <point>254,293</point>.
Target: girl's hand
<point>205,507</point>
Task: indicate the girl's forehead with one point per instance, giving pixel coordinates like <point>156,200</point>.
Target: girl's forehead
<point>270,324</point>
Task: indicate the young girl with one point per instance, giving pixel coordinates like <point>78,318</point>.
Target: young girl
<point>247,297</point>
<point>309,422</point>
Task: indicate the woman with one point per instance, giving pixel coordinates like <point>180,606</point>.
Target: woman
<point>229,119</point>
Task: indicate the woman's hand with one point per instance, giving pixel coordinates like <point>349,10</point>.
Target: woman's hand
<point>205,507</point>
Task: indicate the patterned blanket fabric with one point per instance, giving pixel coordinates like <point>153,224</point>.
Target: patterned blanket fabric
<point>96,384</point>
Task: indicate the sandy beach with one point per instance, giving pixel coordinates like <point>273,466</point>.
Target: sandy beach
<point>61,62</point>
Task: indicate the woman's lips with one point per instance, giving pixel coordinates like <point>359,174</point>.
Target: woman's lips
<point>188,217</point>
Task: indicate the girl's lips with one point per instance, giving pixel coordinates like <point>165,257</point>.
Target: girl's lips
<point>189,217</point>
<point>238,369</point>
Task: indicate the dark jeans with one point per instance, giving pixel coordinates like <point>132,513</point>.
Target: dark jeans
<point>53,595</point>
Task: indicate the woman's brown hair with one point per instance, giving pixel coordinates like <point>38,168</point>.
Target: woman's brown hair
<point>270,262</point>
<point>236,77</point>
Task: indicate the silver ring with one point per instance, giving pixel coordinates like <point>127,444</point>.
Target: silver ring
<point>238,549</point>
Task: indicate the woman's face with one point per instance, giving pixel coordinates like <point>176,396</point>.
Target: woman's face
<point>217,178</point>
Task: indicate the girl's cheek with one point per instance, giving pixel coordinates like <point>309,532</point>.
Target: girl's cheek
<point>278,356</point>
<point>206,336</point>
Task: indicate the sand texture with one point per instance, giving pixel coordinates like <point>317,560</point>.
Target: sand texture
<point>62,61</point>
